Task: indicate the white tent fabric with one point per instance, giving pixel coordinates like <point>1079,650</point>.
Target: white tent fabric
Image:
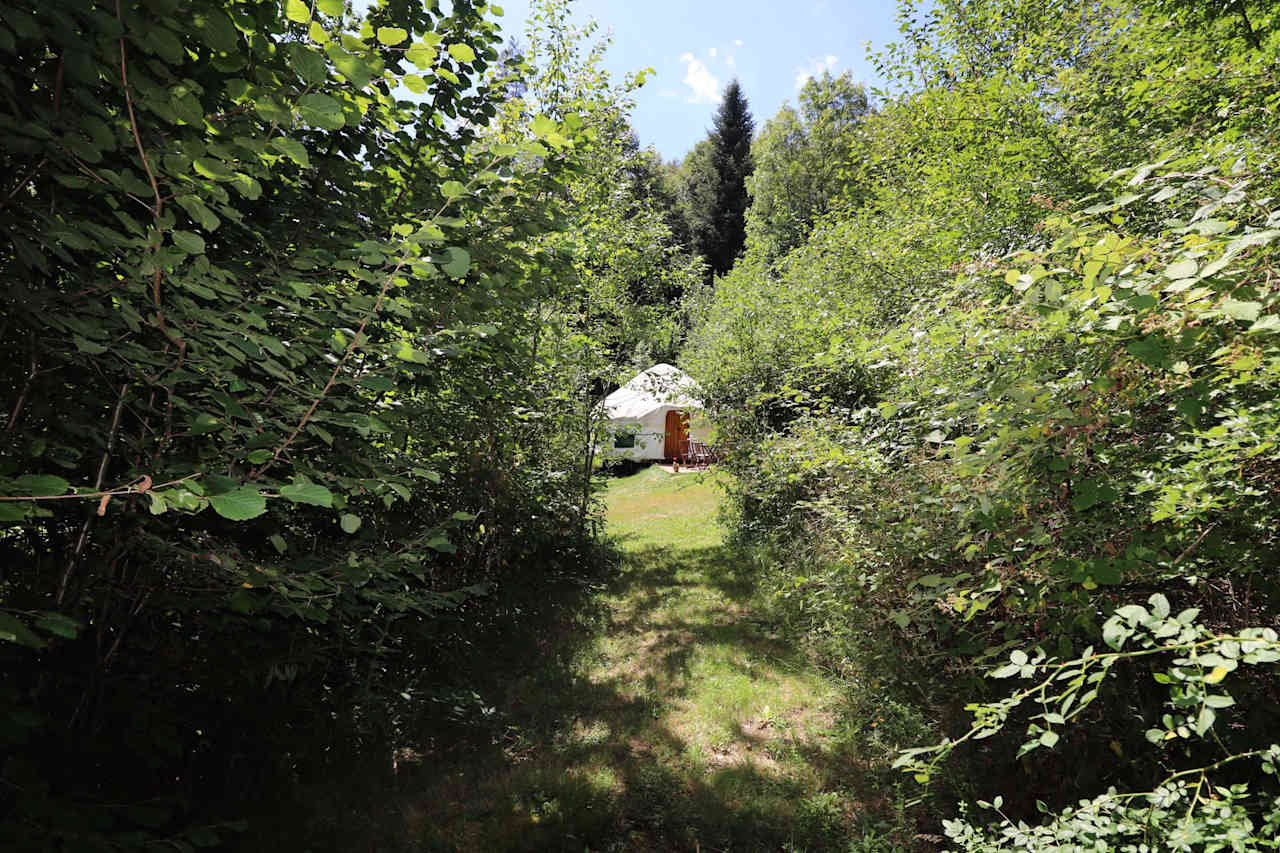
<point>637,412</point>
<point>661,386</point>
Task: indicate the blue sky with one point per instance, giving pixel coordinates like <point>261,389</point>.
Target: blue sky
<point>697,46</point>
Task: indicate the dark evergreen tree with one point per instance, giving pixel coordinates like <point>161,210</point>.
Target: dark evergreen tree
<point>731,159</point>
<point>714,192</point>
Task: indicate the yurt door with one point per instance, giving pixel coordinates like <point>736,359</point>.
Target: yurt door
<point>677,434</point>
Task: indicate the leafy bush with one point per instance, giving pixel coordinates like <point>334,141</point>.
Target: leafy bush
<point>1059,319</point>
<point>278,435</point>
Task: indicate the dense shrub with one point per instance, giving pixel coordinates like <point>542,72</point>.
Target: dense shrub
<point>279,438</point>
<point>1059,316</point>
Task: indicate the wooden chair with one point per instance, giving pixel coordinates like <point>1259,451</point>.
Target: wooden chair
<point>687,454</point>
<point>702,454</point>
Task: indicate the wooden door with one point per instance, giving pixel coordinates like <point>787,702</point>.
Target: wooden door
<point>677,435</point>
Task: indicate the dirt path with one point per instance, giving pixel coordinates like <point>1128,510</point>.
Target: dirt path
<point>679,721</point>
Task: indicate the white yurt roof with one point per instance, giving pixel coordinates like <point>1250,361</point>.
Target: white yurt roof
<point>661,386</point>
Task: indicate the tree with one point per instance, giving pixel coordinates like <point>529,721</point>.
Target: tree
<point>804,162</point>
<point>715,186</point>
<point>695,181</point>
<point>1009,392</point>
<point>267,355</point>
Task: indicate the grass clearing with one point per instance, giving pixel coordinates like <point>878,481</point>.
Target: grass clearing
<point>679,721</point>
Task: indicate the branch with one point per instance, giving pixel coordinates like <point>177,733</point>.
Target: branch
<point>356,340</point>
<point>102,472</point>
<point>24,180</point>
<point>140,486</point>
<point>22,397</point>
<point>133,121</point>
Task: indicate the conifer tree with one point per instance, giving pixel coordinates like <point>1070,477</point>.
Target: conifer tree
<point>715,183</point>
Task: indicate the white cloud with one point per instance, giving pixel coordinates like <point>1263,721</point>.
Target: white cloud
<point>705,87</point>
<point>731,61</point>
<point>814,68</point>
<point>711,52</point>
<point>737,42</point>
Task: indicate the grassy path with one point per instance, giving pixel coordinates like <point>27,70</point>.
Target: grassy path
<point>675,719</point>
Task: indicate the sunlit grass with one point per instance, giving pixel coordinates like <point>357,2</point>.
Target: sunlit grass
<point>683,723</point>
<point>654,508</point>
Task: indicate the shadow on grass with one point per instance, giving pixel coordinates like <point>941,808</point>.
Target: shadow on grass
<point>652,567</point>
<point>590,753</point>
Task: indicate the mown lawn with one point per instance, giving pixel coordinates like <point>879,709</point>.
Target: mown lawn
<point>680,722</point>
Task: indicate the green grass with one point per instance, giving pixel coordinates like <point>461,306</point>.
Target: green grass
<point>675,720</point>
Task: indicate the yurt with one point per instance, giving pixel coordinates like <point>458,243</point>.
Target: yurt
<point>654,416</point>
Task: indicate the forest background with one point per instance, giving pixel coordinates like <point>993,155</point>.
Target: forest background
<point>307,316</point>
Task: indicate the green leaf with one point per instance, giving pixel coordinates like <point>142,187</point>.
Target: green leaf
<point>184,499</point>
<point>1048,738</point>
<point>310,64</point>
<point>1269,323</point>
<point>1091,270</point>
<point>1151,350</point>
<point>1114,632</point>
<point>459,262</point>
<point>14,511</point>
<point>210,168</point>
<point>297,11</point>
<point>14,630</point>
<point>391,36</point>
<point>421,55</point>
<point>1134,614</point>
<point>321,111</point>
<point>1247,311</point>
<point>332,8</point>
<point>216,29</point>
<point>56,623</point>
<point>243,601</point>
<point>277,542</point>
<point>239,504</point>
<point>1205,720</point>
<point>303,491</point>
<point>87,346</point>
<point>542,126</point>
<point>189,242</point>
<point>42,485</point>
<point>204,423</point>
<point>293,149</point>
<point>247,186</point>
<point>355,68</point>
<point>350,523</point>
<point>1090,493</point>
<point>453,189</point>
<point>408,353</point>
<point>462,52</point>
<point>1181,269</point>
<point>414,83</point>
<point>199,212</point>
